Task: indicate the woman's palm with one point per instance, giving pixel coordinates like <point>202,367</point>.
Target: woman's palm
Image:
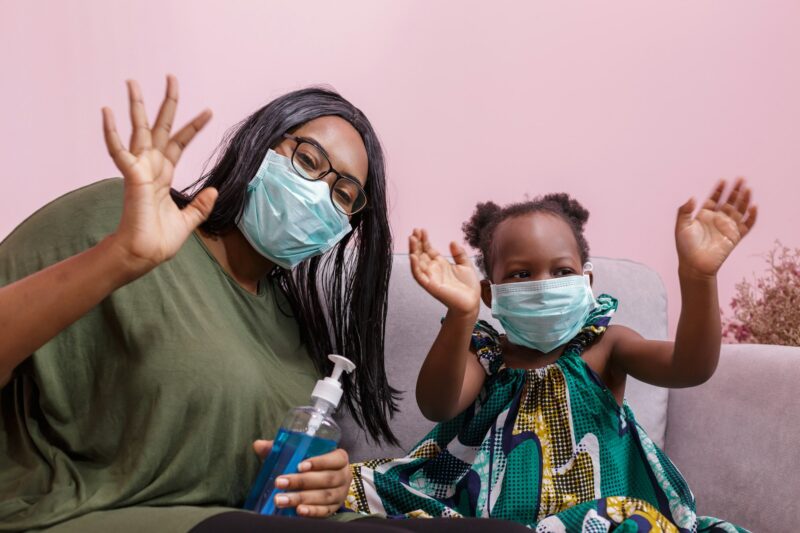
<point>153,227</point>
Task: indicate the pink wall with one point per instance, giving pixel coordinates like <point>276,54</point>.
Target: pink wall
<point>631,106</point>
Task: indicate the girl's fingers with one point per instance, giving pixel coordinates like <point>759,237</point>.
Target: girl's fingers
<point>121,156</point>
<point>459,255</point>
<point>416,271</point>
<point>166,114</point>
<point>413,245</point>
<point>735,192</point>
<point>181,139</point>
<point>685,214</point>
<point>743,201</point>
<point>731,212</point>
<point>426,246</point>
<point>140,135</point>
<point>712,202</point>
<point>748,222</point>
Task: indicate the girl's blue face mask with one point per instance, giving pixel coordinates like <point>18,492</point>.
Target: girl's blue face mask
<point>545,314</point>
<point>287,218</point>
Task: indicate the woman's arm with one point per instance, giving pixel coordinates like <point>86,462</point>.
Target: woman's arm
<point>451,376</point>
<point>703,243</point>
<point>152,229</point>
<point>35,309</point>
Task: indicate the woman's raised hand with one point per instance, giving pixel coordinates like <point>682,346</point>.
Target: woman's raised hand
<point>152,228</point>
<point>455,285</point>
<point>705,240</point>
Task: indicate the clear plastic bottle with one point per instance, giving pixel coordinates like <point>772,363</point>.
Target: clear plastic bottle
<point>306,432</point>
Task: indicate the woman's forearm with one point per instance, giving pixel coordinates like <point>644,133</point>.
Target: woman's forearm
<point>38,307</point>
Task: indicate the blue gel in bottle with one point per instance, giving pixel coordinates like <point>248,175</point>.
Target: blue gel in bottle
<point>306,432</point>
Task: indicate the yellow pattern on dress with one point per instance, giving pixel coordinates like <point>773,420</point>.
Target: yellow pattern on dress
<point>567,473</point>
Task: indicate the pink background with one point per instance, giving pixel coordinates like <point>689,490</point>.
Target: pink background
<point>631,106</point>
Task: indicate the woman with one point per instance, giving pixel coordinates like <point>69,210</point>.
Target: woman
<point>146,334</point>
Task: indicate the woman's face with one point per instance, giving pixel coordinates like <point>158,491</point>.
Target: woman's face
<point>341,143</point>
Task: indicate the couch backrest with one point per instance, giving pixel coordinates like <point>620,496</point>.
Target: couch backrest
<point>413,322</point>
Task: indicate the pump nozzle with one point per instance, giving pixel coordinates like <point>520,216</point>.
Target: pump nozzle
<point>330,389</point>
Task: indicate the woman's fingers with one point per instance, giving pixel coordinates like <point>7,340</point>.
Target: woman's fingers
<point>262,448</point>
<point>166,115</point>
<point>330,461</point>
<point>180,140</point>
<point>318,511</point>
<point>328,479</point>
<point>312,502</point>
<point>140,135</point>
<point>122,157</point>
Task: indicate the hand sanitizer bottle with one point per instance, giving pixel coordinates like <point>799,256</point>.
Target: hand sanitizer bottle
<point>306,432</point>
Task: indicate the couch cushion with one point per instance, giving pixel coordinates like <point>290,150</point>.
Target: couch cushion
<point>413,323</point>
<point>734,437</point>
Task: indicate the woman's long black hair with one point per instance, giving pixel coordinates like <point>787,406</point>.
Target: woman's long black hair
<point>339,299</point>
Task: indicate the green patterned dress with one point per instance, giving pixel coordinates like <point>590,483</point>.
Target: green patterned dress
<point>549,447</point>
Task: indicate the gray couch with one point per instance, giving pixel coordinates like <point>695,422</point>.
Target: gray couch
<point>734,438</point>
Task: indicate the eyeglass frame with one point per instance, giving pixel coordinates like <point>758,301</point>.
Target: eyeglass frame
<point>339,175</point>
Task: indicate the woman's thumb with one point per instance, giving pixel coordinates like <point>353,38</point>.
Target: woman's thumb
<point>200,208</point>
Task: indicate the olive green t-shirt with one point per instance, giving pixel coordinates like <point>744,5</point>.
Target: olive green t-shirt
<point>149,402</point>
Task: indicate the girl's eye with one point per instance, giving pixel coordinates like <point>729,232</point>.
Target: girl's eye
<point>564,272</point>
<point>521,274</point>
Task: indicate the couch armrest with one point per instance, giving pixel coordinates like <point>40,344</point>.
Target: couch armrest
<point>736,437</point>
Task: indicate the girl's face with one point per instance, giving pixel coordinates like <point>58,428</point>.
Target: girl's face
<point>534,247</point>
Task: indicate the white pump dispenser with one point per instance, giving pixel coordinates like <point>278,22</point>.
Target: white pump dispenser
<point>329,389</point>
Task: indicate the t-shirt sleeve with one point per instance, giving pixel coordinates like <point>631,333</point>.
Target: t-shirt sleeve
<point>65,227</point>
<point>485,343</point>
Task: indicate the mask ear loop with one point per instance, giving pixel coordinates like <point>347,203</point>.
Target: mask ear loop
<point>587,267</point>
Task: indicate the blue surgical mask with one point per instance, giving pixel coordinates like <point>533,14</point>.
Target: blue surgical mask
<point>545,314</point>
<point>287,218</point>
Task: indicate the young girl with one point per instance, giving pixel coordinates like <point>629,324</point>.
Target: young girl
<point>534,426</point>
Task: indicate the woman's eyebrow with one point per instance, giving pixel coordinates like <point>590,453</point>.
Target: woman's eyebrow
<point>316,143</point>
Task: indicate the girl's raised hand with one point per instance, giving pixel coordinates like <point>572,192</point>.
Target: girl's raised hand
<point>455,285</point>
<point>152,228</point>
<point>705,240</point>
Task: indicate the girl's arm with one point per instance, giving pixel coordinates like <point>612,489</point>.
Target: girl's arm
<point>152,229</point>
<point>451,376</point>
<point>703,243</point>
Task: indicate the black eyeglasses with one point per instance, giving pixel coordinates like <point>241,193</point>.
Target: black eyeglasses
<point>311,162</point>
